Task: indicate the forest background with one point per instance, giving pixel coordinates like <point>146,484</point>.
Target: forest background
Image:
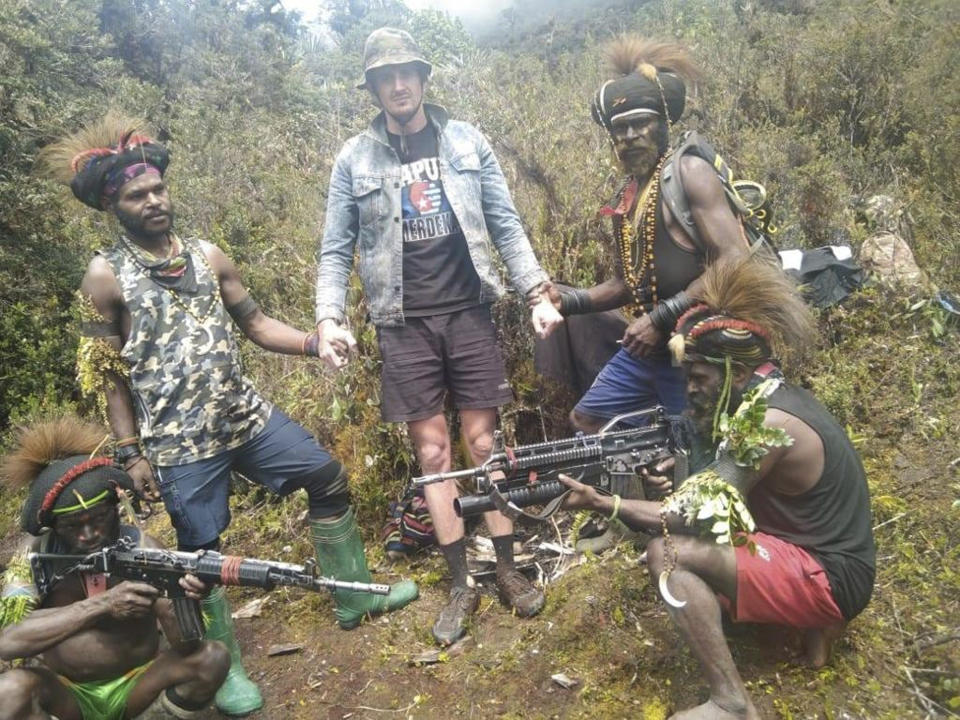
<point>826,103</point>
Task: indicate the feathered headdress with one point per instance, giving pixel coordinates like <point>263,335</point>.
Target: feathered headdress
<point>748,311</point>
<point>651,80</point>
<point>56,458</point>
<point>99,159</point>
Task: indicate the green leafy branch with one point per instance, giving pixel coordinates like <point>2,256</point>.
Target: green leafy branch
<point>747,438</point>
<point>708,502</point>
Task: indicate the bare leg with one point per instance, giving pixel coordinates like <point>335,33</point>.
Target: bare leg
<point>431,440</point>
<point>194,676</point>
<point>818,643</point>
<point>477,427</point>
<point>703,568</point>
<point>35,694</point>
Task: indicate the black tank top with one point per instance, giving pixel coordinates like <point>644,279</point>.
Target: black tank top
<point>675,267</point>
<point>832,519</point>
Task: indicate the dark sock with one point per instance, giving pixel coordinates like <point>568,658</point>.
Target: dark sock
<point>181,702</point>
<point>456,556</point>
<point>503,547</point>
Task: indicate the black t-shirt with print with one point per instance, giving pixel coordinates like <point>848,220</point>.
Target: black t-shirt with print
<point>438,275</point>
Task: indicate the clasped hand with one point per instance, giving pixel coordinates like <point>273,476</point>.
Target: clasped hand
<point>336,344</point>
<point>544,304</point>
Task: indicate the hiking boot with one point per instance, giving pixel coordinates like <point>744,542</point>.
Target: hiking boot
<point>518,593</point>
<point>452,622</point>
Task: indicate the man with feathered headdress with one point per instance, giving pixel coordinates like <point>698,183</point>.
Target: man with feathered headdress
<point>98,644</point>
<point>658,263</point>
<point>159,343</point>
<point>783,513</point>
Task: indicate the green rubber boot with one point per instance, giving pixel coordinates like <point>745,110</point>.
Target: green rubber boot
<point>340,555</point>
<point>238,695</point>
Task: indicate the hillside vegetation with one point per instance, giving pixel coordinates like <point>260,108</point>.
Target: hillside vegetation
<point>826,103</point>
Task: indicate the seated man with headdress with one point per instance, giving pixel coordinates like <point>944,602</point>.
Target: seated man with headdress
<point>783,513</point>
<point>95,643</point>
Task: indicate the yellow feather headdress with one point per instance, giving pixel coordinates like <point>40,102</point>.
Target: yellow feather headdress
<point>44,442</point>
<point>745,307</point>
<point>93,159</point>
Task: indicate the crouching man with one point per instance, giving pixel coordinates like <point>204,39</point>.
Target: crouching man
<point>92,646</point>
<point>811,562</point>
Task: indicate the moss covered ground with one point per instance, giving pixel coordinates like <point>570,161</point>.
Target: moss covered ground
<point>889,380</point>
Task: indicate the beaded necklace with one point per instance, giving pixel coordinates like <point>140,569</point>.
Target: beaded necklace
<point>637,260</point>
<point>174,295</point>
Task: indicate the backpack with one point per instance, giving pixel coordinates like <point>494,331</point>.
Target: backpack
<point>747,198</point>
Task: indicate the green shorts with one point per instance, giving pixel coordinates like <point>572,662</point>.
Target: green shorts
<point>105,699</point>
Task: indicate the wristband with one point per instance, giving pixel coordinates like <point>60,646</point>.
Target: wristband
<point>616,508</point>
<point>665,315</point>
<point>132,440</point>
<point>125,453</point>
<point>311,344</point>
<point>575,302</point>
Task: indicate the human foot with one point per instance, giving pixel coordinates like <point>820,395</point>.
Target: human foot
<point>712,711</point>
<point>818,643</point>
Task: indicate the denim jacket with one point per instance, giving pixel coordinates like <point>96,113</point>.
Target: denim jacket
<point>364,213</point>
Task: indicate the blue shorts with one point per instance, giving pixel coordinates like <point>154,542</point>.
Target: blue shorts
<point>627,383</point>
<point>196,495</point>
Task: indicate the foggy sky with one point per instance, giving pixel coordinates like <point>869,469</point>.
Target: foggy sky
<point>473,14</point>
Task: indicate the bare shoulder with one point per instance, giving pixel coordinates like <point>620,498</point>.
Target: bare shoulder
<point>217,258</point>
<point>699,177</point>
<point>99,272</point>
<point>805,438</point>
<point>101,286</point>
<point>210,250</point>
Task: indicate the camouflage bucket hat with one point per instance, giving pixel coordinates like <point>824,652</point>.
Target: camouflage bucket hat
<point>390,46</point>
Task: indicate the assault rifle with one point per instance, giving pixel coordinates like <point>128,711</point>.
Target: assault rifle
<point>163,569</point>
<point>515,478</point>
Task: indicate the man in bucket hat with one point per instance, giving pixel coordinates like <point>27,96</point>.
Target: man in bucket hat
<point>418,195</point>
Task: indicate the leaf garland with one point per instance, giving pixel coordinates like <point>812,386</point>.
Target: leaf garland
<point>706,500</point>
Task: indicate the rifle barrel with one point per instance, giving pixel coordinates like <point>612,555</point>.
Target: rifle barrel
<point>440,477</point>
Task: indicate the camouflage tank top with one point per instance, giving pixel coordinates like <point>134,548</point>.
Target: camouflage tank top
<point>190,396</point>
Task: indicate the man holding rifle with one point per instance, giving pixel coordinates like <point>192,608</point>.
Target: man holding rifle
<point>811,562</point>
<point>97,644</point>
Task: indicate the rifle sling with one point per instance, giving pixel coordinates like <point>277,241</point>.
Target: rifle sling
<point>513,512</point>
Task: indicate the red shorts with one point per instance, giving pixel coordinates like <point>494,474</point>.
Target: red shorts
<point>782,584</point>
